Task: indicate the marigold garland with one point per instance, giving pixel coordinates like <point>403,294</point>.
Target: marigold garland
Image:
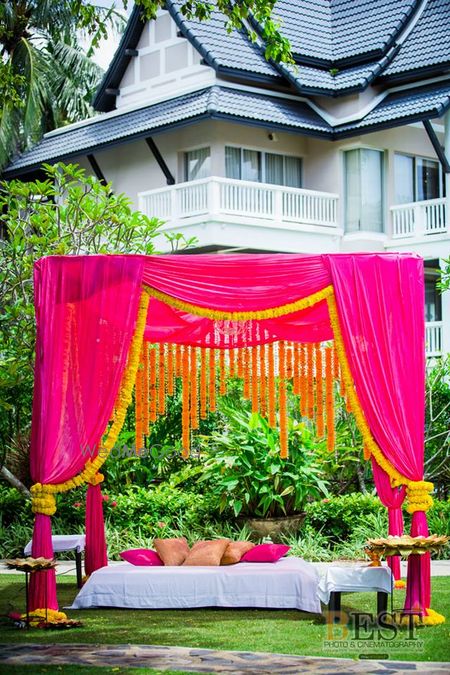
<point>170,371</point>
<point>138,406</point>
<point>296,369</point>
<point>303,381</point>
<point>289,360</point>
<point>329,399</point>
<point>232,362</point>
<point>185,412</point>
<point>283,401</point>
<point>272,402</point>
<point>162,380</point>
<point>262,380</point>
<point>194,388</point>
<point>178,360</point>
<point>152,390</point>
<point>212,380</point>
<point>255,383</point>
<point>203,391</point>
<point>145,390</point>
<point>246,393</point>
<point>223,373</point>
<point>240,363</point>
<point>310,380</point>
<point>319,393</point>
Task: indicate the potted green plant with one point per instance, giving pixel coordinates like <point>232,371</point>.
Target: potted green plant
<point>247,475</point>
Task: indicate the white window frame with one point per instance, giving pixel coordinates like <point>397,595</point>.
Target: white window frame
<point>264,152</point>
<point>184,153</point>
<point>415,186</point>
<point>384,168</point>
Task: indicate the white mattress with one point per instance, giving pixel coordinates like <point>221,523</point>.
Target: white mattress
<point>290,583</point>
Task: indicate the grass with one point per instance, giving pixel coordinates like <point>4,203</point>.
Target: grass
<point>288,632</point>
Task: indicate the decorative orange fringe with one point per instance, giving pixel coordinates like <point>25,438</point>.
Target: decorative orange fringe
<point>246,365</point>
<point>283,401</point>
<point>212,380</point>
<point>203,392</point>
<point>223,373</point>
<point>162,381</point>
<point>329,398</point>
<point>170,371</point>
<point>152,394</point>
<point>240,363</point>
<point>255,392</point>
<point>193,387</point>
<point>185,412</point>
<point>303,369</point>
<point>138,401</point>
<point>145,390</point>
<point>272,420</point>
<point>319,393</point>
<point>262,380</point>
<point>310,362</point>
<point>178,360</point>
<point>366,452</point>
<point>232,361</point>
<point>289,360</point>
<point>296,369</point>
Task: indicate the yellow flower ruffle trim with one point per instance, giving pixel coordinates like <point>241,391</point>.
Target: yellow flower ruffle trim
<point>431,618</point>
<point>417,491</point>
<point>261,314</point>
<point>38,615</point>
<point>43,500</point>
<point>399,583</point>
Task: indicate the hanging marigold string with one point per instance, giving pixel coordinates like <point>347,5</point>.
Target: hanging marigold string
<point>162,381</point>
<point>145,390</point>
<point>303,369</point>
<point>185,412</point>
<point>310,366</point>
<point>240,363</point>
<point>320,425</point>
<point>246,365</point>
<point>329,398</point>
<point>289,360</point>
<point>296,387</point>
<point>283,401</point>
<point>255,383</point>
<point>272,401</point>
<point>262,380</point>
<point>170,371</point>
<point>152,393</point>
<point>232,362</point>
<point>138,404</point>
<point>193,388</point>
<point>212,380</point>
<point>203,390</point>
<point>223,373</point>
<point>178,360</point>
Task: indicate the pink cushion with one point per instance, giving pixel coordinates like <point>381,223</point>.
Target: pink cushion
<point>141,557</point>
<point>265,553</point>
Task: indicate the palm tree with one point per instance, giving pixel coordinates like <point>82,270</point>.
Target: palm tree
<point>46,76</point>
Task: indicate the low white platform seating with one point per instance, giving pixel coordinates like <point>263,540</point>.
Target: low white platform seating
<point>290,583</point>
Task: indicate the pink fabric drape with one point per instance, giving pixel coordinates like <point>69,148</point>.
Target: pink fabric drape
<point>86,309</point>
<point>380,300</point>
<point>85,314</point>
<point>95,555</point>
<point>392,498</point>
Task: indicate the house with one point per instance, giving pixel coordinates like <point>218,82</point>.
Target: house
<point>348,150</point>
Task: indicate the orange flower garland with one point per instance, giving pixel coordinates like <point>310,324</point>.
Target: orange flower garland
<point>283,401</point>
<point>138,401</point>
<point>289,360</point>
<point>223,373</point>
<point>262,380</point>
<point>255,392</point>
<point>296,369</point>
<point>193,387</point>
<point>170,371</point>
<point>240,363</point>
<point>310,385</point>
<point>303,370</point>
<point>145,390</point>
<point>329,398</point>
<point>271,386</point>
<point>232,362</point>
<point>185,412</point>
<point>212,380</point>
<point>203,392</point>
<point>319,393</point>
<point>152,385</point>
<point>246,365</point>
<point>162,381</point>
<point>178,360</point>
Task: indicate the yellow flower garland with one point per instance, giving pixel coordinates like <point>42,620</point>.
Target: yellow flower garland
<point>43,499</point>
<point>417,491</point>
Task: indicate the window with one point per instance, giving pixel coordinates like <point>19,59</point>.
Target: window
<point>433,302</point>
<point>197,164</point>
<point>417,179</point>
<point>265,167</point>
<point>363,190</point>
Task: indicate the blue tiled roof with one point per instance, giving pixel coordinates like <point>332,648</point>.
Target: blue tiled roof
<point>427,44</point>
<point>213,103</point>
<point>216,102</point>
<point>341,46</point>
<point>401,107</point>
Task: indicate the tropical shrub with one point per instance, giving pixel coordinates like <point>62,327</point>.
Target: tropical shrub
<point>336,517</point>
<point>248,476</point>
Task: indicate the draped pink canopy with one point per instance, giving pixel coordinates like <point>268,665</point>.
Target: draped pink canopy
<point>86,310</point>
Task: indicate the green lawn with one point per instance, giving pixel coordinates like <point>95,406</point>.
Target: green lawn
<point>288,632</point>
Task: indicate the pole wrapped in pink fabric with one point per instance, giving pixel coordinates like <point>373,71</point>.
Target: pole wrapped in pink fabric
<point>380,301</point>
<point>95,555</point>
<point>86,310</point>
<point>392,498</point>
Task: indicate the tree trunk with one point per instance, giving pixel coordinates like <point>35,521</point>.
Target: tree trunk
<point>15,482</point>
<point>361,481</point>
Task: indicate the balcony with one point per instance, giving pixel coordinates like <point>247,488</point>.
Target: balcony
<point>433,338</point>
<point>243,204</point>
<point>420,220</point>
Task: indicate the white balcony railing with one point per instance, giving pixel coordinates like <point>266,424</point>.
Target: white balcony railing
<point>433,338</point>
<point>240,199</point>
<point>419,219</point>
